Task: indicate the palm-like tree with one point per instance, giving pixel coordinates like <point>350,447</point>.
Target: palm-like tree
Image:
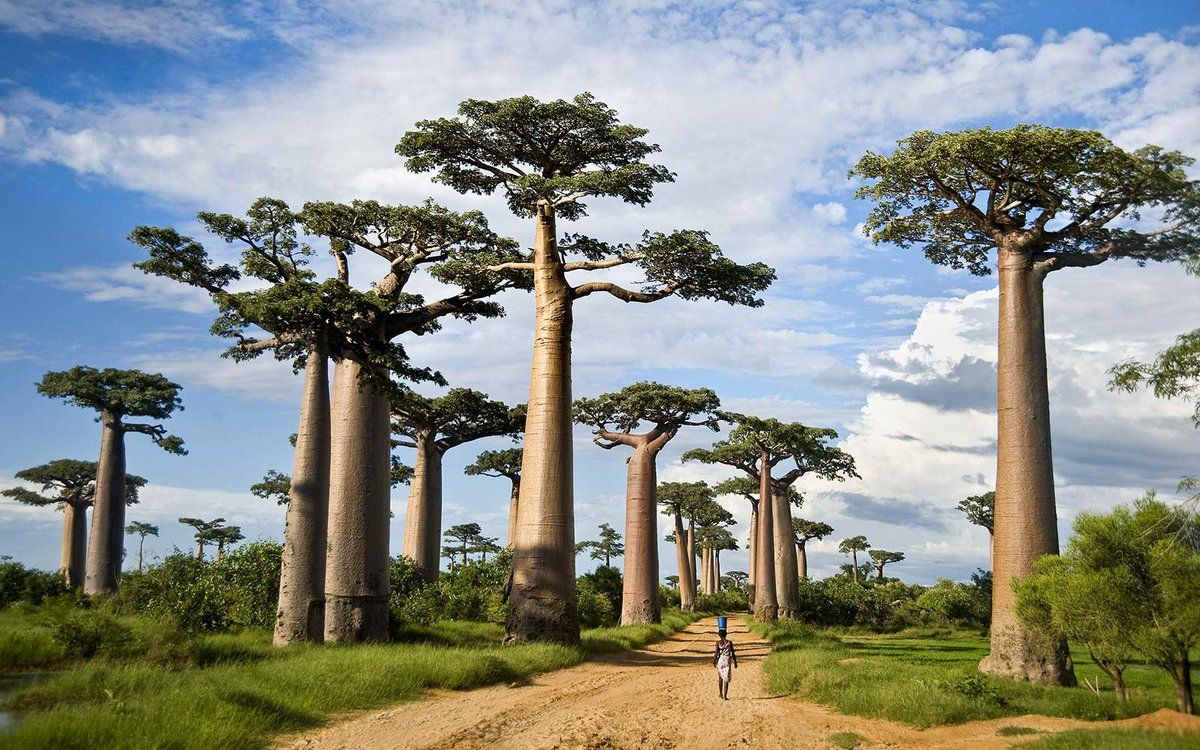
<point>852,547</point>
<point>143,530</point>
<point>204,531</point>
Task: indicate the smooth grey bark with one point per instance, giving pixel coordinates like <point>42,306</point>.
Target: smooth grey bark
<point>802,561</point>
<point>687,585</point>
<point>423,518</point>
<point>74,544</point>
<point>301,614</point>
<point>106,544</point>
<point>639,588</point>
<point>766,604</point>
<point>356,569</point>
<point>787,587</point>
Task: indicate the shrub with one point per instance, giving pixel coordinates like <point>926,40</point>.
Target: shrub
<point>595,606</point>
<point>21,584</point>
<point>84,633</point>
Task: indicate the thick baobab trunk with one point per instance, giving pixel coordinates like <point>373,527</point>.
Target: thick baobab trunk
<point>787,587</point>
<point>356,566</point>
<point>542,604</point>
<point>766,604</point>
<point>513,500</point>
<point>704,579</point>
<point>301,614</point>
<point>802,561</point>
<point>687,593</point>
<point>751,553</point>
<point>1026,524</point>
<point>106,544</point>
<point>854,564</point>
<point>879,572</point>
<point>423,519</point>
<point>74,544</point>
<point>639,590</point>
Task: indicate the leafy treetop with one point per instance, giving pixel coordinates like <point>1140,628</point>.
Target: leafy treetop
<point>980,510</point>
<point>117,394</point>
<point>806,530</point>
<point>853,544</point>
<point>682,498</point>
<point>142,529</point>
<point>666,408</point>
<point>460,416</point>
<point>754,437</point>
<point>606,547</point>
<point>883,557</point>
<point>71,481</point>
<point>1062,197</point>
<point>748,488</point>
<point>497,463</point>
<point>555,153</point>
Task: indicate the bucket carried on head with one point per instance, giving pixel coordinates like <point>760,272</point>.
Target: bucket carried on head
<point>721,622</point>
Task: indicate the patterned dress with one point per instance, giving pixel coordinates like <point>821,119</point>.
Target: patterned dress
<point>723,657</point>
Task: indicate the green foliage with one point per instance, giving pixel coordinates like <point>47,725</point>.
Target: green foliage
<point>118,394</point>
<point>846,740</point>
<point>1113,739</point>
<point>665,407</point>
<point>71,481</point>
<point>980,510</point>
<point>1174,373</point>
<point>724,600</point>
<point>892,604</point>
<point>1126,583</point>
<point>684,498</point>
<point>32,587</point>
<point>606,547</point>
<point>459,416</point>
<point>84,633</point>
<point>599,595</point>
<point>806,530</point>
<point>241,592</point>
<point>142,529</point>
<point>275,486</point>
<point>1060,191</point>
<point>558,152</point>
<point>499,463</point>
<point>474,591</point>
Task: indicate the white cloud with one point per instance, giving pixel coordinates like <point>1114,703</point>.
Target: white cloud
<point>830,213</point>
<point>127,284</point>
<point>170,24</point>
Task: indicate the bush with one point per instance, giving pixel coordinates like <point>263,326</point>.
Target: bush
<point>474,591</point>
<point>595,607</point>
<point>723,600</point>
<point>85,633</point>
<point>21,584</point>
<point>893,604</point>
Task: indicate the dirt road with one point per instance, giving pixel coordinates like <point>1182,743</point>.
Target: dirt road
<point>660,697</point>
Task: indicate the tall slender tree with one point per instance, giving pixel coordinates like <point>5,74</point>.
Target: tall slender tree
<point>706,522</point>
<point>806,531</point>
<point>678,499</point>
<point>204,533</point>
<point>502,463</point>
<point>74,486</point>
<point>755,446</point>
<point>606,547</point>
<point>616,417</point>
<point>852,546</point>
<point>115,395</point>
<point>456,249</point>
<point>143,530</point>
<point>1041,199</point>
<point>463,536</point>
<point>549,158</point>
<point>747,487</point>
<point>882,557</point>
<point>432,426</point>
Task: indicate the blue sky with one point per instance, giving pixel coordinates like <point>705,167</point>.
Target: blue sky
<point>118,114</point>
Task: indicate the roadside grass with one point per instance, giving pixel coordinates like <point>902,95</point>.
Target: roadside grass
<point>930,681</point>
<point>846,740</point>
<point>239,692</point>
<point>1113,739</point>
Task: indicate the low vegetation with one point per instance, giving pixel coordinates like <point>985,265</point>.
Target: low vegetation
<point>928,677</point>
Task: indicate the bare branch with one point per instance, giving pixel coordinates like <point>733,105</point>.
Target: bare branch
<point>623,294</point>
<point>597,265</point>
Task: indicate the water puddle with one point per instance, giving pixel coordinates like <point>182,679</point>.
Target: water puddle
<point>9,684</point>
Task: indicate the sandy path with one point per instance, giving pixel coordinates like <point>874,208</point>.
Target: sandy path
<point>660,697</point>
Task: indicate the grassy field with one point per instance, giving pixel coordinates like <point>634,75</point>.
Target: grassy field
<point>929,678</point>
<point>238,692</point>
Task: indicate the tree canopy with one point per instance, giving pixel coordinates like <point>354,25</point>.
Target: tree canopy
<point>806,530</point>
<point>683,498</point>
<point>459,416</point>
<point>606,547</point>
<point>664,408</point>
<point>496,463</point>
<point>980,510</point>
<point>120,394</point>
<point>747,487</point>
<point>70,480</point>
<point>1067,197</point>
<point>142,529</point>
<point>853,544</point>
<point>806,447</point>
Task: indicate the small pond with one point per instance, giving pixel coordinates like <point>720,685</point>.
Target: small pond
<point>9,684</point>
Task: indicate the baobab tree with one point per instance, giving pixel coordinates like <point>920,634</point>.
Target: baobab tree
<point>115,395</point>
<point>679,499</point>
<point>1041,199</point>
<point>738,578</point>
<point>204,532</point>
<point>706,521</point>
<point>715,539</point>
<point>549,158</point>
<point>224,535</point>
<point>456,249</point>
<point>882,557</point>
<point>606,547</point>
<point>852,546</point>
<point>755,446</point>
<point>432,426</point>
<point>143,530</point>
<point>747,487</point>
<point>806,531</point>
<point>73,484</point>
<point>981,511</point>
<point>501,463</point>
<point>616,417</point>
<point>485,545</point>
<point>464,535</point>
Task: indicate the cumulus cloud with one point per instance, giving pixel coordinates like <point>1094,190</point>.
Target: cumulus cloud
<point>177,25</point>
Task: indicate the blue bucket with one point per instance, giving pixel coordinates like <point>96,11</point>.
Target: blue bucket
<point>721,622</point>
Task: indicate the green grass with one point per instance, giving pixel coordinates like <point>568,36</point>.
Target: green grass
<point>930,681</point>
<point>240,692</point>
<point>846,740</point>
<point>1016,731</point>
<point>1114,739</point>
